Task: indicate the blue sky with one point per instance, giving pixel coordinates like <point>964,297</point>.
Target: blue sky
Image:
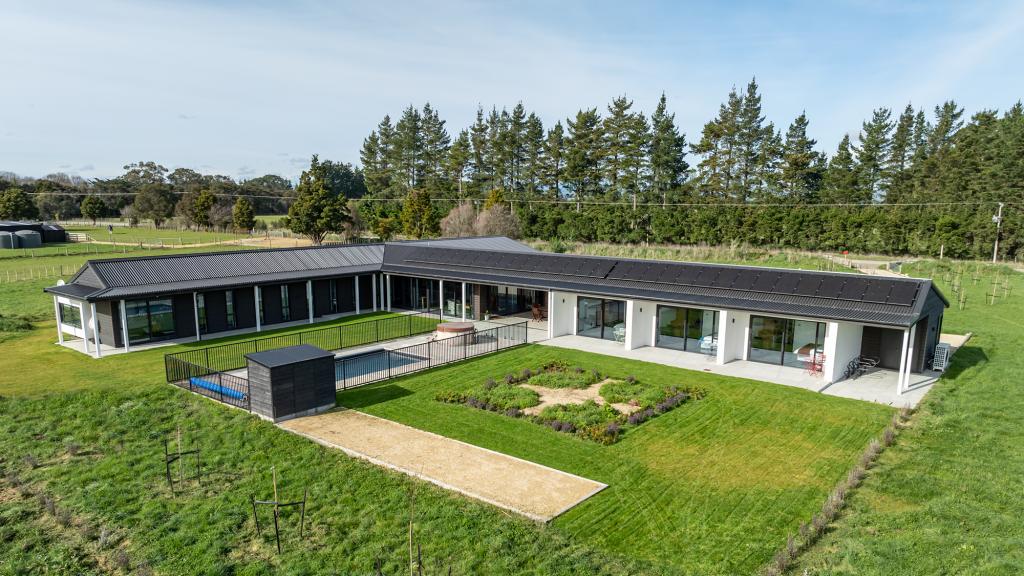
<point>248,88</point>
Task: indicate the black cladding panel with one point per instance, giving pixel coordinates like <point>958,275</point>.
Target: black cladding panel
<point>854,289</point>
<point>903,293</point>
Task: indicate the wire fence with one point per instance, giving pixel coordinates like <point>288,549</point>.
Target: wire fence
<point>227,357</point>
<point>377,365</point>
<point>227,388</point>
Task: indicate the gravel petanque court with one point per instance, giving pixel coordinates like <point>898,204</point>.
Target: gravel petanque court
<point>530,489</point>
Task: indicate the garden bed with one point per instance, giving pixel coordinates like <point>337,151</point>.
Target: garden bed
<point>575,400</point>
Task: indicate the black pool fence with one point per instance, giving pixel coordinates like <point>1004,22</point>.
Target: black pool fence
<point>226,357</point>
<point>383,364</point>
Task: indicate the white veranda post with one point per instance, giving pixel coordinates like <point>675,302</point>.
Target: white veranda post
<point>440,296</point>
<point>356,280</point>
<point>463,301</point>
<point>256,297</point>
<point>373,290</point>
<point>56,312</point>
<point>388,287</point>
<point>309,299</point>
<point>195,309</point>
<point>124,326</point>
<point>903,362</point>
<point>95,330</point>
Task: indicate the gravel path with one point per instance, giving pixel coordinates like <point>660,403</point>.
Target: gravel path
<point>535,491</point>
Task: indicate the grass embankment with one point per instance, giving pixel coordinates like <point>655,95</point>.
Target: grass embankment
<point>745,255</point>
<point>946,499</point>
<point>124,234</point>
<point>711,487</point>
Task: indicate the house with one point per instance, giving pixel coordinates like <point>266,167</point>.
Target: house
<point>806,320</point>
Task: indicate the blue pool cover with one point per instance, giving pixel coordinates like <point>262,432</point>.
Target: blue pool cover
<point>375,362</point>
<point>217,388</point>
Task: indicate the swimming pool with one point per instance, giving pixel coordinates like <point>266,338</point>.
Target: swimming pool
<point>372,366</point>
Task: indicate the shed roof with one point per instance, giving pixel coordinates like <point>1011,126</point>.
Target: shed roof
<point>288,355</point>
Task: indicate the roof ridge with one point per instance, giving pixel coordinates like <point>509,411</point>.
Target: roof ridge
<point>222,252</point>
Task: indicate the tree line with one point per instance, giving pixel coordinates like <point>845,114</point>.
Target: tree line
<point>909,181</point>
<point>912,181</point>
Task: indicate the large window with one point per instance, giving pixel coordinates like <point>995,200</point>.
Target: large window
<point>70,315</point>
<point>201,312</point>
<point>149,320</point>
<point>796,343</point>
<point>690,329</point>
<point>605,319</point>
<point>229,302</point>
<point>286,308</point>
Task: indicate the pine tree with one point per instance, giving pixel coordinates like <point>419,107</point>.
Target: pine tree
<point>840,184</point>
<point>457,162</point>
<point>409,148</point>
<point>873,156</point>
<point>481,170</point>
<point>554,160</point>
<point>533,155</point>
<point>800,175</point>
<point>667,152</point>
<point>901,153</point>
<point>626,143</point>
<point>242,215</point>
<point>435,148</point>
<point>317,210</point>
<point>583,155</point>
<point>717,170</point>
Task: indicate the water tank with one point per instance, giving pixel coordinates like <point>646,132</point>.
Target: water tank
<point>8,240</point>
<point>29,239</point>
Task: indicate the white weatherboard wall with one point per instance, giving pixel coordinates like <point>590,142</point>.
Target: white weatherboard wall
<point>639,323</point>
<point>732,335</point>
<point>561,313</point>
<point>842,344</point>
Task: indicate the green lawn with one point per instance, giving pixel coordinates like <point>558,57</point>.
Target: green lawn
<point>745,255</point>
<point>711,487</point>
<point>947,498</point>
<point>154,235</point>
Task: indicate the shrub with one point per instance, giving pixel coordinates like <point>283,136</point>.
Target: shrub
<point>497,398</point>
<point>563,379</point>
<point>490,384</point>
<point>510,378</point>
<point>581,416</point>
<point>527,373</point>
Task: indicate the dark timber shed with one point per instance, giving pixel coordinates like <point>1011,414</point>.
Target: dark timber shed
<point>290,382</point>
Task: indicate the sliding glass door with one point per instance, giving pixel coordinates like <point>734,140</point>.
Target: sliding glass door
<point>599,318</point>
<point>786,342</point>
<point>689,329</point>
<point>149,320</point>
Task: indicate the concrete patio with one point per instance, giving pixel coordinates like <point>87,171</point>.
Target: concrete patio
<point>877,386</point>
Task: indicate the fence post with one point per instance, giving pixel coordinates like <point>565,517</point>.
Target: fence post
<point>410,325</point>
<point>388,354</point>
<point>340,343</point>
<point>208,359</point>
<point>376,327</point>
<point>430,355</point>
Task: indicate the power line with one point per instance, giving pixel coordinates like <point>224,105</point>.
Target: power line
<point>590,202</point>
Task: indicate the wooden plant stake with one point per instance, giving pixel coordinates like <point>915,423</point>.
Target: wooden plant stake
<point>277,506</point>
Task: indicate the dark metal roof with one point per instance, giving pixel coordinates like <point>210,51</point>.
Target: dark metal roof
<point>827,295</point>
<point>288,355</point>
<point>118,278</point>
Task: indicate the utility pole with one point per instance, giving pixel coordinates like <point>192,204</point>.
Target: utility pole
<point>998,219</point>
